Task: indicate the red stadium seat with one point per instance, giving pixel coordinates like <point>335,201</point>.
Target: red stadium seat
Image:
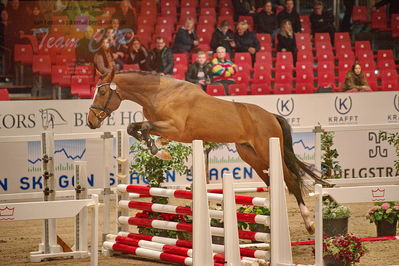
<point>362,45</point>
<point>322,38</point>
<point>180,58</point>
<point>23,53</point>
<point>284,58</point>
<point>80,86</point>
<point>167,20</point>
<point>188,12</point>
<point>225,3</point>
<point>342,37</point>
<point>179,70</point>
<point>395,25</point>
<point>241,78</point>
<point>4,96</point>
<point>305,23</point>
<point>215,90</point>
<point>371,80</point>
<point>379,21</point>
<point>226,12</point>
<point>84,70</point>
<point>305,56</point>
<point>282,88</point>
<point>325,74</point>
<point>390,85</point>
<point>243,58</point>
<point>188,3</point>
<point>169,3</point>
<point>207,20</point>
<point>208,4</point>
<point>238,89</point>
<point>303,41</point>
<point>262,77</point>
<point>204,33</point>
<point>263,57</point>
<point>383,55</point>
<point>149,11</point>
<point>208,11</point>
<point>265,42</point>
<point>325,56</point>
<point>41,64</point>
<point>263,67</point>
<point>142,20</point>
<point>360,14</point>
<point>61,75</point>
<point>167,11</point>
<point>260,89</point>
<point>64,59</point>
<point>148,3</point>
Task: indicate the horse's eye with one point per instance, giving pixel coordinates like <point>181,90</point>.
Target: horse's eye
<point>102,92</point>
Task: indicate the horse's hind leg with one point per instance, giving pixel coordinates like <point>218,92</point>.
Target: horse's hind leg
<point>141,131</point>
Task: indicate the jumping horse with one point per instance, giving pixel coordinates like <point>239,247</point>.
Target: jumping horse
<point>182,111</point>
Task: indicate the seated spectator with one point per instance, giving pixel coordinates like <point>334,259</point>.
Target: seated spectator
<point>126,16</point>
<point>355,80</point>
<point>138,54</point>
<point>286,39</point>
<point>37,20</point>
<point>200,72</point>
<point>185,39</point>
<point>245,40</point>
<point>84,48</point>
<point>290,14</point>
<point>223,36</point>
<point>244,8</point>
<point>119,47</point>
<point>223,70</point>
<point>322,21</point>
<point>103,59</point>
<point>161,58</point>
<point>266,20</point>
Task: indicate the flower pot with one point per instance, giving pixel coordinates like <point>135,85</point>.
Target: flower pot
<point>330,261</point>
<point>335,227</point>
<point>385,228</point>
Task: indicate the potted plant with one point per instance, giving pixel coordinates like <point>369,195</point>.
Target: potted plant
<point>342,250</point>
<point>335,217</point>
<point>385,215</point>
<point>154,169</point>
<point>329,165</point>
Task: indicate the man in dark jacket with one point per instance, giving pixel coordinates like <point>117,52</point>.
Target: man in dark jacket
<point>290,14</point>
<point>161,58</point>
<point>200,72</point>
<point>322,21</point>
<point>266,20</point>
<point>223,36</point>
<point>185,39</point>
<point>246,41</point>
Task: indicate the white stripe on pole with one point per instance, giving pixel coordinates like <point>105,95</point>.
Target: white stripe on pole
<point>231,241</point>
<point>202,242</point>
<point>280,233</point>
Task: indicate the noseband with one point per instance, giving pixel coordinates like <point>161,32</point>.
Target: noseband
<point>104,110</point>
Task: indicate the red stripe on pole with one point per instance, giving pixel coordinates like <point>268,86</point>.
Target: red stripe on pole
<point>176,250</point>
<point>124,248</point>
<point>145,206</point>
<point>127,241</point>
<point>138,189</point>
<point>185,227</point>
<point>140,222</point>
<point>244,200</point>
<point>140,236</point>
<point>246,235</point>
<point>246,217</point>
<point>183,194</point>
<point>216,190</point>
<point>173,258</point>
<point>262,189</point>
<point>184,211</point>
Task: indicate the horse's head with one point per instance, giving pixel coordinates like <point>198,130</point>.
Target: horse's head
<point>106,100</point>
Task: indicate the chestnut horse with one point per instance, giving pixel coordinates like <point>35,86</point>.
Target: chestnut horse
<point>181,111</point>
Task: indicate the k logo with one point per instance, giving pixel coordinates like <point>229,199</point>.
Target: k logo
<point>396,102</point>
<point>343,104</point>
<point>285,107</point>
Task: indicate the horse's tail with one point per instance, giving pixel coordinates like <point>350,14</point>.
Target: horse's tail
<point>293,163</point>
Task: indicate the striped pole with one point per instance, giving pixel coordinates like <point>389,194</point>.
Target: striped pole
<point>160,224</point>
<point>363,239</point>
<point>151,254</point>
<point>245,252</point>
<point>184,194</point>
<point>240,190</point>
<point>154,207</point>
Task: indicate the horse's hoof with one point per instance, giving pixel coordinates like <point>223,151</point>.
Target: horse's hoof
<point>163,155</point>
<point>311,229</point>
<point>161,141</point>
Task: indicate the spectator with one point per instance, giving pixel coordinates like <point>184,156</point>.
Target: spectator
<point>223,36</point>
<point>223,70</point>
<point>346,21</point>
<point>393,6</point>
<point>186,39</point>
<point>84,54</point>
<point>322,21</point>
<point>355,80</point>
<point>286,39</point>
<point>37,20</point>
<point>126,16</point>
<point>266,20</point>
<point>200,72</point>
<point>138,54</point>
<point>103,59</point>
<point>290,14</point>
<point>246,41</point>
<point>161,58</point>
<point>119,44</point>
<point>244,8</point>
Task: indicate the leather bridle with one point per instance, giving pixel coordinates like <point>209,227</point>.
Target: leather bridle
<point>104,111</point>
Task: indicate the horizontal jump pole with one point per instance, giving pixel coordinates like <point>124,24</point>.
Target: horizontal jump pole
<point>245,252</point>
<point>216,231</point>
<point>241,190</point>
<point>154,207</point>
<point>185,194</point>
<point>151,254</point>
<point>362,239</point>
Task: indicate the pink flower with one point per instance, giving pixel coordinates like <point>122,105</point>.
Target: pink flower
<point>385,206</point>
<point>396,208</point>
<point>374,208</point>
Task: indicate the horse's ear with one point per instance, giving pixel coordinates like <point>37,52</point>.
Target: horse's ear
<point>109,77</point>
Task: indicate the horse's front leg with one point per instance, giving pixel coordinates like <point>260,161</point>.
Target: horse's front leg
<point>141,131</point>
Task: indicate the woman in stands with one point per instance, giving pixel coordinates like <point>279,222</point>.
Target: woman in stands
<point>286,39</point>
<point>138,54</point>
<point>355,80</point>
<point>103,58</point>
